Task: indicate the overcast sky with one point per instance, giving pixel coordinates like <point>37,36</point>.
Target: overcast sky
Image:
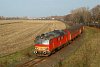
<point>37,8</point>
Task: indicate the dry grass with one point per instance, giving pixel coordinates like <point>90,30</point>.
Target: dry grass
<point>17,39</point>
<point>17,58</point>
<point>88,55</point>
<point>16,36</point>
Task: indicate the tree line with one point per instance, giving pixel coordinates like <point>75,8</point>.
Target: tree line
<point>13,18</point>
<point>84,15</point>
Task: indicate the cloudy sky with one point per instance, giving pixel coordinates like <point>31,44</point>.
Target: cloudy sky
<point>37,8</point>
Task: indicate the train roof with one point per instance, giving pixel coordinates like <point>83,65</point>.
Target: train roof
<point>75,27</point>
<point>51,34</point>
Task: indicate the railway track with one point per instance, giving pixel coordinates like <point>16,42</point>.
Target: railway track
<point>32,62</point>
<point>37,60</point>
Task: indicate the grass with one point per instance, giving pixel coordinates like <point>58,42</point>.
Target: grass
<point>88,55</point>
<point>17,57</point>
<point>18,36</point>
<point>16,39</point>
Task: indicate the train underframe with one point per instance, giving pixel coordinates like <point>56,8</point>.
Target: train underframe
<point>42,53</point>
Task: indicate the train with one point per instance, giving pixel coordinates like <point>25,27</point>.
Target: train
<point>96,25</point>
<point>48,43</point>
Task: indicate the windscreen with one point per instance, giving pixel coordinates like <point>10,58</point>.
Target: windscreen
<point>42,41</point>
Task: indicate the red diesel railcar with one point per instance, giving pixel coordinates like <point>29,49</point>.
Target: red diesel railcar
<point>46,44</point>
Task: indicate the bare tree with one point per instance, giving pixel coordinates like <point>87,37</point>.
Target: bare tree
<point>95,12</point>
<point>81,15</point>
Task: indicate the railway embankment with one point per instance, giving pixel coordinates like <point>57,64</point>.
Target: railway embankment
<point>88,55</point>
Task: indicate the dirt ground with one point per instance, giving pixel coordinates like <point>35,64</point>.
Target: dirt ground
<point>19,34</point>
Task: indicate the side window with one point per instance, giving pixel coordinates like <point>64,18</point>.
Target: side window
<point>62,37</point>
<point>59,39</point>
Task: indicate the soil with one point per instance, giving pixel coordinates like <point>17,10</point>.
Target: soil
<point>16,35</point>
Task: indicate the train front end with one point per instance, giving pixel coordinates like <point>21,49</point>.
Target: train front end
<point>42,47</point>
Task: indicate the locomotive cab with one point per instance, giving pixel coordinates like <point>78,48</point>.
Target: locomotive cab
<point>46,43</point>
<point>42,46</point>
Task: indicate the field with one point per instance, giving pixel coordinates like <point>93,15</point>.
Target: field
<point>17,35</point>
<point>17,40</point>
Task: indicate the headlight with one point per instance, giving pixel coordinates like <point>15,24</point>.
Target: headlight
<point>41,48</point>
<point>36,48</point>
<point>46,48</point>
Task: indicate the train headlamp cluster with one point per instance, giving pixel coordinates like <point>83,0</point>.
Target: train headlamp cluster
<point>41,48</point>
